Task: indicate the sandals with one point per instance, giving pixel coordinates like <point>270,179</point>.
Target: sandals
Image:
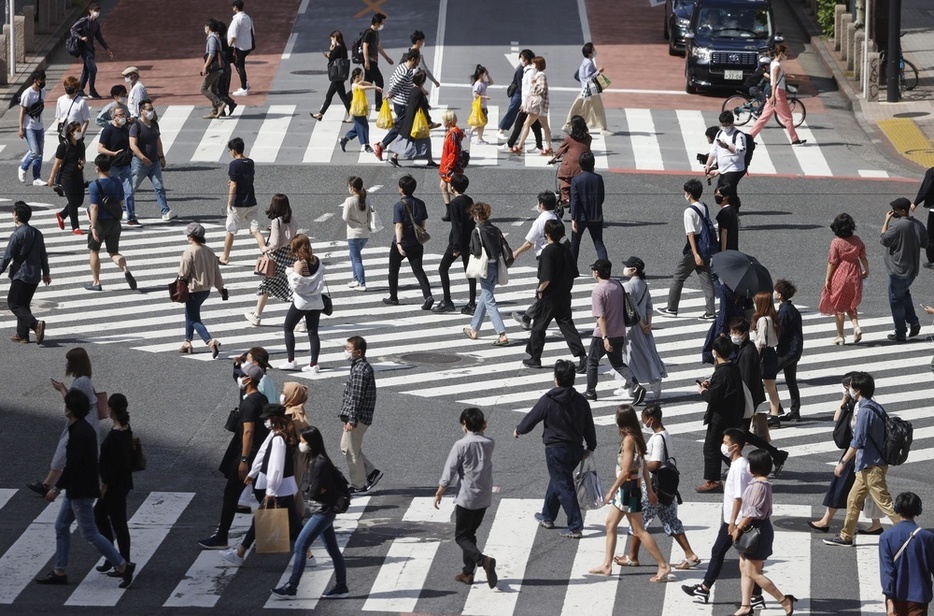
<point>470,333</point>
<point>516,150</point>
<point>548,152</point>
<point>656,579</point>
<point>687,564</point>
<point>501,341</point>
<point>624,561</point>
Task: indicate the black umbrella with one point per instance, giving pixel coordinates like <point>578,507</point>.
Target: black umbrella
<point>741,272</point>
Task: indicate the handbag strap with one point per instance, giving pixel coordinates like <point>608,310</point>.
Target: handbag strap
<point>898,554</point>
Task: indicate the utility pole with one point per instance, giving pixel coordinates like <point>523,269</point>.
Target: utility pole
<point>894,53</point>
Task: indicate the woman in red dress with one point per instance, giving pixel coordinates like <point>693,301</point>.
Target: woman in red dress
<point>847,267</point>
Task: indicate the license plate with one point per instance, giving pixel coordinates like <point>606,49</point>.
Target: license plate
<point>733,75</point>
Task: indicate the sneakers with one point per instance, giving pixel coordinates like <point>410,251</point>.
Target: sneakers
<point>378,150</point>
<point>389,301</point>
<point>343,144</point>
<point>93,287</point>
<point>169,215</point>
<point>38,487</point>
<point>312,368</point>
<point>667,313</point>
<point>372,479</point>
<point>698,591</point>
<point>127,575</point>
<point>623,392</point>
<point>301,326</point>
<point>531,363</point>
<point>361,288</point>
<point>523,321</point>
<point>572,534</point>
<point>489,566</point>
<point>253,318</point>
<point>590,395</point>
<point>707,316</point>
<point>501,134</point>
<point>53,578</point>
<point>38,182</point>
<point>837,540</point>
<point>775,422</point>
<point>40,331</point>
<point>21,174</point>
<point>130,280</point>
<point>213,543</point>
<point>896,338</point>
<point>638,393</point>
<point>337,592</point>
<point>104,567</point>
<point>240,92</point>
<point>284,592</point>
<point>133,223</point>
<point>543,522</point>
<point>289,364</point>
<point>757,602</point>
<point>914,330</point>
<point>353,284</point>
<point>232,557</point>
<point>444,306</point>
<point>656,388</point>
<point>77,232</point>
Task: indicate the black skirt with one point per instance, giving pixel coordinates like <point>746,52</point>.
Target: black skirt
<point>839,488</point>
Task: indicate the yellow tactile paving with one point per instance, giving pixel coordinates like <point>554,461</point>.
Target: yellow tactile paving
<point>909,140</point>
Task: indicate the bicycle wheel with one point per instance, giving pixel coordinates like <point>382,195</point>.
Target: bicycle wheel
<point>741,108</point>
<point>909,76</point>
<point>798,113</point>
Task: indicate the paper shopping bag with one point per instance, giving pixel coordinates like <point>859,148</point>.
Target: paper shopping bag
<point>272,530</point>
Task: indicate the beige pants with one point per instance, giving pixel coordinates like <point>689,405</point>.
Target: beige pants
<point>357,463</point>
<point>869,482</point>
<point>591,109</point>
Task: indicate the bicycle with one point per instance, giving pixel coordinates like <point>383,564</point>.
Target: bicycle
<point>906,80</point>
<point>746,108</point>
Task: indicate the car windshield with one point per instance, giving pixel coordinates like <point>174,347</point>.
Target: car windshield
<point>682,4</point>
<point>734,22</point>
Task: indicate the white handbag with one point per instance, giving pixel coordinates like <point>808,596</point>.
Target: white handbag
<point>477,266</point>
<point>375,224</point>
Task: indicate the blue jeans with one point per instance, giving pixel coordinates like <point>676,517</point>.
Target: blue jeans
<point>35,138</point>
<point>319,524</point>
<point>125,175</point>
<point>487,302</point>
<point>561,461</point>
<point>89,71</point>
<point>82,510</point>
<point>903,311</point>
<point>193,316</point>
<point>154,173</point>
<point>361,130</point>
<point>507,120</point>
<point>355,246</point>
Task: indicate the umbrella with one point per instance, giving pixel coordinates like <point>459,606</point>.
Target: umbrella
<point>741,272</point>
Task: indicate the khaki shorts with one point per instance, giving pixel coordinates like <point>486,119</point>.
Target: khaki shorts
<point>108,230</point>
<point>241,218</point>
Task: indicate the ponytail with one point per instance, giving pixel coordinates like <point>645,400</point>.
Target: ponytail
<point>356,184</point>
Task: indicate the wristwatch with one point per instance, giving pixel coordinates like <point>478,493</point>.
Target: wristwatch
<point>244,459</point>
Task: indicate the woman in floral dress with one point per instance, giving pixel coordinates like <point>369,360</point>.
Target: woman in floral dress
<point>847,267</point>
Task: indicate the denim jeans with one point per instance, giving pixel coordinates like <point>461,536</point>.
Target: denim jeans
<point>35,138</point>
<point>399,111</point>
<point>89,70</point>
<point>193,316</point>
<point>561,461</point>
<point>82,510</point>
<point>514,103</point>
<point>154,173</point>
<point>355,246</point>
<point>125,175</point>
<point>360,130</point>
<point>903,311</point>
<point>487,303</point>
<point>319,524</point>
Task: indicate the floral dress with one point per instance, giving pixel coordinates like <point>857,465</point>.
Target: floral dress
<point>846,284</point>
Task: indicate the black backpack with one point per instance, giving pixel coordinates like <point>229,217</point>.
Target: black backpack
<point>708,244</point>
<point>898,437</point>
<point>750,147</point>
<point>666,479</point>
<point>356,50</point>
<point>109,203</point>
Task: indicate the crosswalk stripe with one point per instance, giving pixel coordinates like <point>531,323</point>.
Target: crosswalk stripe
<point>171,122</point>
<point>5,495</point>
<point>761,162</point>
<point>23,561</point>
<point>692,128</point>
<point>703,520</point>
<point>644,140</point>
<point>594,594</point>
<point>213,145</point>
<point>275,126</point>
<point>790,568</point>
<point>867,560</point>
<point>422,509</point>
<point>325,133</point>
<point>403,574</point>
<point>149,527</point>
<point>809,156</point>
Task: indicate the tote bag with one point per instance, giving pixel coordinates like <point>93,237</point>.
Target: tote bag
<point>477,267</point>
<point>272,529</point>
<point>265,266</point>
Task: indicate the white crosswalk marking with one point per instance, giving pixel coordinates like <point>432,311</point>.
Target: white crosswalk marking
<point>693,130</point>
<point>809,156</point>
<point>644,140</point>
<point>326,132</point>
<point>704,520</point>
<point>400,580</point>
<point>595,594</point>
<point>213,146</point>
<point>266,146</point>
<point>867,559</point>
<point>23,561</point>
<point>171,122</point>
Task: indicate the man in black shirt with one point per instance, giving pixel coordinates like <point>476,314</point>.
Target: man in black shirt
<point>557,270</point>
<point>241,198</point>
<point>406,213</point>
<point>462,226</point>
<point>251,432</point>
<point>727,219</point>
<point>371,52</point>
<point>115,142</point>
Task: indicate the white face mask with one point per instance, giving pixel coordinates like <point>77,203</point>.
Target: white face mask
<point>282,399</point>
<point>776,297</point>
<point>594,54</point>
<point>95,14</point>
<point>120,121</point>
<point>122,100</point>
<point>725,449</point>
<point>853,393</point>
<point>348,354</point>
<point>380,27</point>
<point>268,424</point>
<point>687,197</point>
<point>242,381</point>
<point>304,447</point>
<point>128,79</point>
<point>737,340</point>
<point>149,114</point>
<point>629,271</point>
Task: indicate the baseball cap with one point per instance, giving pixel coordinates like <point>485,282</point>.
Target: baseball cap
<point>129,70</point>
<point>635,262</point>
<point>253,371</point>
<point>603,267</point>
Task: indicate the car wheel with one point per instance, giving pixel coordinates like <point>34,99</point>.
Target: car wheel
<point>690,89</point>
<point>671,48</point>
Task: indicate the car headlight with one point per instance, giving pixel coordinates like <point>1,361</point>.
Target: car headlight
<point>701,54</point>
<point>683,23</point>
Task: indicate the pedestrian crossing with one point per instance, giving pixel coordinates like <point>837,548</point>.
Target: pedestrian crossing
<point>404,562</point>
<point>649,140</point>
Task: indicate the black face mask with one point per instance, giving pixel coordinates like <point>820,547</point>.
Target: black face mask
<point>719,199</point>
<point>70,91</point>
<point>41,84</point>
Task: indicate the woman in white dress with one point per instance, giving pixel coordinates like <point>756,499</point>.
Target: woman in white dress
<point>640,353</point>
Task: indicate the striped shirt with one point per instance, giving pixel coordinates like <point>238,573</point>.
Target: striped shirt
<point>400,85</point>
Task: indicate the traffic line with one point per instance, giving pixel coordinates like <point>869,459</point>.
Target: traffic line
<point>790,564</point>
<point>402,576</point>
<point>326,132</point>
<point>171,122</point>
<point>703,520</point>
<point>23,562</point>
<point>595,594</point>
<point>272,133</point>
<point>871,600</point>
<point>693,128</point>
<point>644,139</point>
<point>809,155</point>
<point>422,509</point>
<point>219,132</point>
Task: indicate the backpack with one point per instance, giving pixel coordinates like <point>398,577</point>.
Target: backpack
<point>898,437</point>
<point>356,50</point>
<point>342,488</point>
<point>708,244</point>
<point>73,44</point>
<point>750,147</point>
<point>666,479</point>
<point>109,203</point>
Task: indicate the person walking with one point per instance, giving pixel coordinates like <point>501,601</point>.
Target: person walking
<point>79,480</point>
<point>451,162</point>
<point>358,214</point>
<point>406,213</point>
<point>480,80</point>
<point>324,484</point>
<point>357,405</point>
<point>105,195</point>
<point>727,219</point>
<point>790,345</point>
<point>459,238</point>
<point>418,43</point>
<point>588,102</point>
<point>398,92</point>
<point>536,241</point>
<point>337,51</point>
<point>137,92</point>
<point>118,97</point>
<point>69,168</point>
<point>926,197</point>
<point>906,561</point>
<point>149,158</point>
<point>639,350</point>
<point>870,466</point>
<point>87,29</point>
<point>767,330</point>
<point>608,301</point>
<point>241,197</point>
<point>488,238</point>
<point>71,107</point>
<point>691,259</point>
<point>293,398</point>
<point>222,86</point>
<point>281,231</point>
<point>723,393</point>
<point>777,102</point>
<point>525,91</point>
<point>727,158</point>
<point>514,93</point>
<point>116,472</point>
<point>903,237</point>
<point>372,49</point>
<point>569,153</point>
<point>241,41</point>
<point>470,466</point>
<point>213,69</point>
<point>306,279</point>
<point>847,267</point>
<point>31,128</point>
<point>115,142</point>
<point>199,267</point>
<point>587,195</point>
<point>537,109</point>
<point>568,428</point>
<point>411,144</point>
<point>26,257</point>
<point>241,452</point>
<point>359,112</point>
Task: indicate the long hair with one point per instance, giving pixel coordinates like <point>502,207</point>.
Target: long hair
<point>477,73</point>
<point>579,128</point>
<point>312,436</point>
<point>628,423</point>
<point>279,208</point>
<point>77,363</point>
<point>300,248</point>
<point>356,185</point>
<point>339,37</point>
<point>765,307</point>
<point>283,425</point>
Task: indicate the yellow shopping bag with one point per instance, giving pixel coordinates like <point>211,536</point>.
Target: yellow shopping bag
<point>384,120</point>
<point>420,126</point>
<point>359,106</point>
<point>477,117</point>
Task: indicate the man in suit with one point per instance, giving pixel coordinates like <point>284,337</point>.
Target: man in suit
<point>587,194</point>
<point>725,399</point>
<point>926,197</point>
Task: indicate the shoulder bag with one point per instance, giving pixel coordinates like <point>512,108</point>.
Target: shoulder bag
<point>178,290</point>
<point>506,251</point>
<point>842,432</point>
<point>103,412</point>
<point>420,233</point>
<point>265,266</point>
<point>748,541</point>
<point>328,309</point>
<point>63,122</point>
<point>901,550</point>
<point>339,69</point>
<point>137,456</point>
<point>477,267</point>
<point>667,478</point>
<point>233,420</point>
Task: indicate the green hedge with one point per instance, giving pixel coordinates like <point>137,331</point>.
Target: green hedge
<point>825,15</point>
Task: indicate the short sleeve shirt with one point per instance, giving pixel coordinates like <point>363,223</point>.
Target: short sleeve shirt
<point>400,215</point>
<point>72,110</point>
<point>607,301</point>
<point>250,409</point>
<point>115,139</point>
<point>730,161</point>
<point>655,447</point>
<point>736,481</point>
<point>147,138</point>
<point>692,224</point>
<point>536,235</point>
<point>556,266</point>
<point>104,186</point>
<point>70,155</point>
<point>242,171</point>
<point>371,38</point>
<point>29,97</point>
<point>728,220</point>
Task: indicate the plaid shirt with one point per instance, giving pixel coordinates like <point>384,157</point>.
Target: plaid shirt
<point>359,398</point>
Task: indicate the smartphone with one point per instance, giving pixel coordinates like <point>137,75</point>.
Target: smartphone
<point>698,381</point>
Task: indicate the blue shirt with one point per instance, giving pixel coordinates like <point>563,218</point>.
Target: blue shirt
<point>909,579</point>
<point>869,434</point>
<point>109,186</point>
<point>27,248</point>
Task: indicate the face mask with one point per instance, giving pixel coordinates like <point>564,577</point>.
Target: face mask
<point>727,129</point>
<point>647,428</point>
<point>122,100</point>
<point>594,54</point>
<point>853,393</point>
<point>282,399</point>
<point>629,271</point>
<point>242,381</point>
<point>70,91</point>
<point>120,121</point>
<point>268,424</point>
<point>737,340</point>
<point>719,199</point>
<point>725,449</point>
<point>128,79</point>
<point>776,297</point>
<point>41,84</point>
<point>348,354</point>
<point>687,197</point>
<point>95,14</point>
<point>149,114</point>
<point>304,447</point>
<point>380,27</point>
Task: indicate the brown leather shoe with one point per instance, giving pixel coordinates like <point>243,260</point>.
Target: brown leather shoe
<point>16,338</point>
<point>708,487</point>
<point>464,578</point>
<point>489,566</point>
<point>40,331</point>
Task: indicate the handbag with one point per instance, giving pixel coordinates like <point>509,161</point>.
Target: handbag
<point>103,410</point>
<point>511,89</point>
<point>272,529</point>
<point>842,432</point>
<point>420,128</point>
<point>328,309</point>
<point>265,266</point>
<point>630,314</point>
<point>374,223</point>
<point>477,267</point>
<point>420,234</point>
<point>178,290</point>
<point>233,420</point>
<point>748,541</point>
<point>385,120</point>
<point>339,69</point>
<point>587,485</point>
<point>602,82</point>
<point>504,249</point>
<point>137,456</point>
<point>359,106</point>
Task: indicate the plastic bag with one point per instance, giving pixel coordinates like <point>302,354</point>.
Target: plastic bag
<point>420,128</point>
<point>384,120</point>
<point>359,106</point>
<point>587,484</point>
<point>477,117</point>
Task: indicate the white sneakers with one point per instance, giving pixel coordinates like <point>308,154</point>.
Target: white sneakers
<point>38,182</point>
<point>232,557</point>
<point>353,284</point>
<point>288,365</point>
<point>240,92</point>
<point>21,174</point>
<point>169,215</point>
<point>253,318</point>
<point>313,368</point>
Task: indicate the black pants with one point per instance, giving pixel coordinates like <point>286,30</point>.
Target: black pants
<point>110,517</point>
<point>732,179</point>
<point>18,299</point>
<point>596,234</point>
<point>517,130</point>
<point>757,442</point>
<point>713,460</point>
<point>282,502</point>
<point>721,547</point>
<point>399,110</point>
<point>232,492</point>
<point>337,87</point>
<point>789,367</point>
<point>414,255</point>
<point>597,351</point>
<point>443,272</point>
<point>376,78</point>
<point>75,199</point>
<point>929,251</point>
<point>240,64</point>
<point>312,317</point>
<point>560,310</point>
<point>221,87</point>
<point>466,523</point>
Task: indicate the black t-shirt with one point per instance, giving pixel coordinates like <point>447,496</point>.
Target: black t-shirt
<point>462,224</point>
<point>250,408</point>
<point>556,264</point>
<point>147,139</point>
<point>70,154</point>
<point>115,139</point>
<point>242,171</point>
<point>371,38</point>
<point>400,214</point>
<point>728,220</point>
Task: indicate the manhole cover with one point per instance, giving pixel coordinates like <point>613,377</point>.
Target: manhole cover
<point>310,72</point>
<point>430,358</point>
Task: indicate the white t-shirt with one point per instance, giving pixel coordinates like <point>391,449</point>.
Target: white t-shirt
<point>729,161</point>
<point>29,97</point>
<point>655,447</point>
<point>780,84</point>
<point>241,28</point>
<point>137,94</point>
<point>693,223</point>
<point>67,112</point>
<point>536,235</point>
<point>736,481</point>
